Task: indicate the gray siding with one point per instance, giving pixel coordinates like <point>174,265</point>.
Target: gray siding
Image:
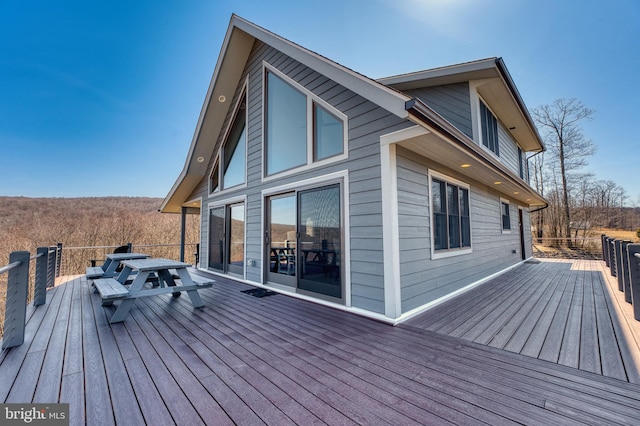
<point>367,122</point>
<point>423,279</point>
<point>452,101</point>
<point>508,150</point>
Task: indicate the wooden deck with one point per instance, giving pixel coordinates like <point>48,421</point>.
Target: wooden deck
<point>566,312</point>
<point>278,360</point>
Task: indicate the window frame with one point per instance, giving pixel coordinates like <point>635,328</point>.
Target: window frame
<point>505,203</point>
<point>218,163</point>
<point>457,251</point>
<point>496,131</point>
<point>311,101</point>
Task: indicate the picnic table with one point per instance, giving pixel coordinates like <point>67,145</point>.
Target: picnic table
<point>173,277</point>
<point>111,264</point>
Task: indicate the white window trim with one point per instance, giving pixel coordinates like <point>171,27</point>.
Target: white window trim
<point>244,93</point>
<point>311,98</point>
<point>442,254</point>
<point>508,203</point>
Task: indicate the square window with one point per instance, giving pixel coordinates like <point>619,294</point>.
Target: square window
<point>451,219</point>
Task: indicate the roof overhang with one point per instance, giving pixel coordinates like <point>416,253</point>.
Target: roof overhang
<point>494,84</point>
<point>450,147</point>
<point>236,48</point>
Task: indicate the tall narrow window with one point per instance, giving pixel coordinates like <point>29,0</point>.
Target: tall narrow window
<point>465,218</point>
<point>451,216</point>
<point>520,163</point>
<point>489,129</point>
<point>506,216</point>
<point>286,122</point>
<point>439,215</point>
<point>328,134</point>
<point>235,150</point>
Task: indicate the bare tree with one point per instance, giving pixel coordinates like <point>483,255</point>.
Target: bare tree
<point>568,148</point>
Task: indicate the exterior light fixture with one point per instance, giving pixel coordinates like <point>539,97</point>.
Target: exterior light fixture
<point>222,98</point>
<point>200,159</point>
<point>497,182</point>
<point>465,166</point>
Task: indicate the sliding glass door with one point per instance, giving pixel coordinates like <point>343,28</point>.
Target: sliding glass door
<point>226,238</point>
<point>281,239</point>
<point>303,240</point>
<point>320,241</point>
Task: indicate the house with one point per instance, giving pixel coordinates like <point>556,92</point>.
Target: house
<point>381,197</point>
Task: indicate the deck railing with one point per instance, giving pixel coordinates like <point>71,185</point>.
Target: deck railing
<point>567,248</point>
<point>623,259</point>
<point>17,296</point>
<point>49,264</point>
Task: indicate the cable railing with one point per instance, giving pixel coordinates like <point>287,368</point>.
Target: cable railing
<point>28,282</point>
<point>18,292</point>
<point>567,248</point>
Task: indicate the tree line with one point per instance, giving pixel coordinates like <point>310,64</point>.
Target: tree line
<point>28,223</point>
<point>578,201</point>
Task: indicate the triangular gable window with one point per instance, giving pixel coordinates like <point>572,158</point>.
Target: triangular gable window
<point>233,154</point>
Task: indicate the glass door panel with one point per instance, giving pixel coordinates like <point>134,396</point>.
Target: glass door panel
<point>281,239</point>
<point>216,238</point>
<point>320,241</point>
<point>235,262</point>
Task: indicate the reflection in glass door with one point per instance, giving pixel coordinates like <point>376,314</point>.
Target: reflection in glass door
<point>226,238</point>
<point>216,238</point>
<point>320,241</point>
<point>280,239</point>
<point>235,261</point>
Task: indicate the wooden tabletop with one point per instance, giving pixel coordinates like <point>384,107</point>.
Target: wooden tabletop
<point>125,256</point>
<point>154,264</point>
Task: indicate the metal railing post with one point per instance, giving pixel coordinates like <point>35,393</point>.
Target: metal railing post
<point>633,253</point>
<point>52,256</point>
<point>612,256</point>
<point>619,267</point>
<point>17,291</point>
<point>605,252</point>
<point>623,276</point>
<point>42,274</point>
<point>130,245</point>
<point>58,260</point>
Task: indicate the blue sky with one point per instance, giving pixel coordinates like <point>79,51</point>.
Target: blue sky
<point>101,98</point>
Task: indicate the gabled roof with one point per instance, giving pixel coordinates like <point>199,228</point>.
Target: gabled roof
<point>241,35</point>
<point>494,84</point>
<point>237,45</point>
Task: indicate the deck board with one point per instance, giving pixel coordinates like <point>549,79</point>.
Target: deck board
<point>567,316</point>
<point>280,360</point>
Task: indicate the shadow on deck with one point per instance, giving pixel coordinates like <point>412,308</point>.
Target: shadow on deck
<point>279,360</point>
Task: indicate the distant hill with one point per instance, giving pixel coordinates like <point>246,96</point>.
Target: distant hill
<point>27,223</point>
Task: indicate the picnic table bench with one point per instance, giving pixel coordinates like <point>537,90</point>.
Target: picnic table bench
<point>114,289</point>
<point>111,265</point>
